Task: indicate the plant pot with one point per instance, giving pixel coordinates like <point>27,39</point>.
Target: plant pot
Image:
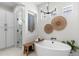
<point>74,53</point>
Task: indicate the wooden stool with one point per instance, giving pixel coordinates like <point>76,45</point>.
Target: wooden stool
<point>26,48</point>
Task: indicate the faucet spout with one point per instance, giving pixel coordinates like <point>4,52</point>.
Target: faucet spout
<point>53,38</point>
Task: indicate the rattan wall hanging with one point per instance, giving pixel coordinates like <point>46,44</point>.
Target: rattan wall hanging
<point>59,23</point>
<point>48,28</point>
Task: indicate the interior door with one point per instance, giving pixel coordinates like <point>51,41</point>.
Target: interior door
<point>2,29</point>
<point>10,29</point>
<point>10,37</point>
<point>2,38</point>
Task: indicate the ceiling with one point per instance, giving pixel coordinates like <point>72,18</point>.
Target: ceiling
<point>38,3</point>
<point>14,4</point>
<point>8,4</point>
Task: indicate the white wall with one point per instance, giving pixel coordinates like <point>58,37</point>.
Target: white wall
<point>29,36</point>
<point>71,32</point>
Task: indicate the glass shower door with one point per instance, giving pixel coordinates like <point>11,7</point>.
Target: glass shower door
<point>20,35</point>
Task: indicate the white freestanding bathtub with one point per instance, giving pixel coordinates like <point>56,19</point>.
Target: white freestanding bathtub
<point>47,48</point>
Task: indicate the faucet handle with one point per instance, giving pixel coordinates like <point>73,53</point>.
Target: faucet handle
<point>53,38</point>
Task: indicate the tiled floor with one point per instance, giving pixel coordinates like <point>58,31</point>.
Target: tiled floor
<point>32,54</point>
<point>13,51</point>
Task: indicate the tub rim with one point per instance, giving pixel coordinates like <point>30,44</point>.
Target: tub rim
<point>38,44</point>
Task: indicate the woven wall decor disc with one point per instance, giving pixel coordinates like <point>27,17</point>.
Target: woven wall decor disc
<point>59,22</point>
<point>48,28</point>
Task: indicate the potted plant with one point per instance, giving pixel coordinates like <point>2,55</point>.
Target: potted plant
<point>71,43</point>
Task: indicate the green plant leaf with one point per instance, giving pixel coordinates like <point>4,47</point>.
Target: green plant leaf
<point>76,47</point>
<point>69,43</point>
<point>73,42</point>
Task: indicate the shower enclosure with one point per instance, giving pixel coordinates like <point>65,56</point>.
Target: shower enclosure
<point>19,25</point>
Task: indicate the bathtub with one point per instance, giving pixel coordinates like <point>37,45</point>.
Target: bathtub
<point>49,48</point>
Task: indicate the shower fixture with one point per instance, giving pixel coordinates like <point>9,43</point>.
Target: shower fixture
<point>48,12</point>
